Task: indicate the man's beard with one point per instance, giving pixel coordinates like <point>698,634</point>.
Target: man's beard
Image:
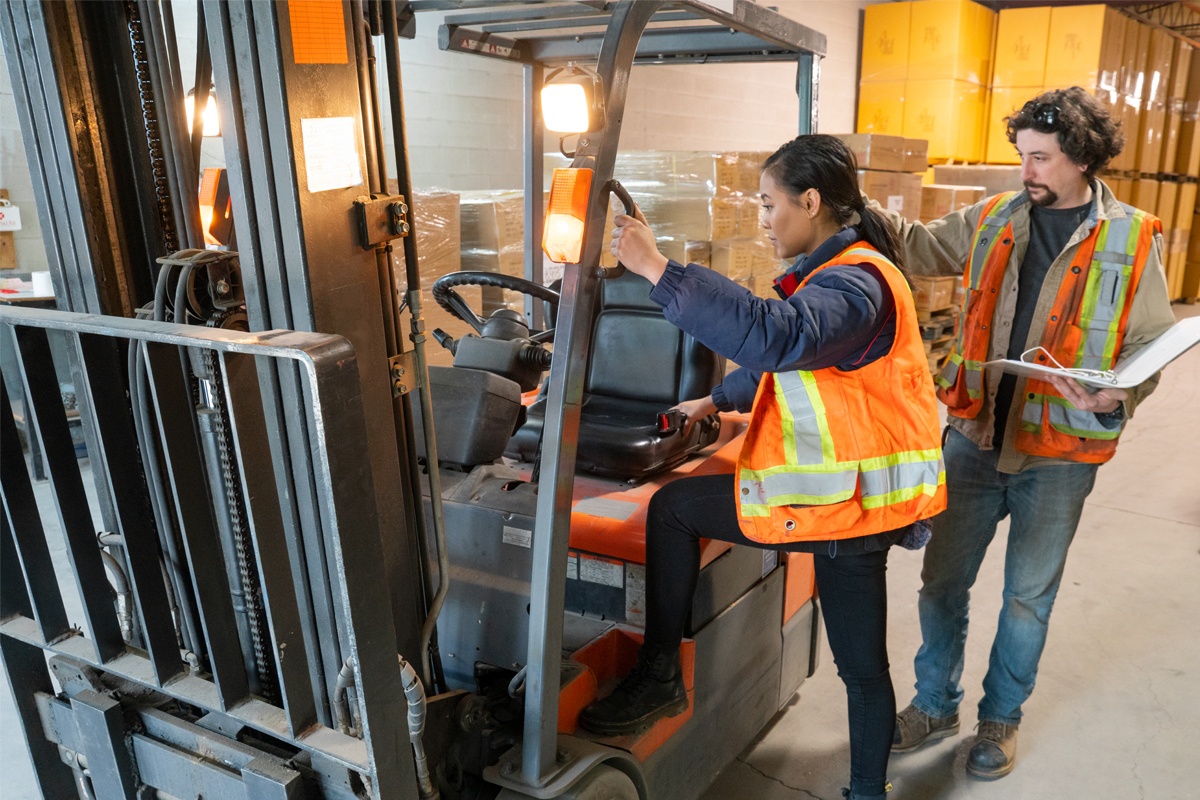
<point>1047,198</point>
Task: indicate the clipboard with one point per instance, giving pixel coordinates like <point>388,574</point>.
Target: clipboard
<point>1173,343</point>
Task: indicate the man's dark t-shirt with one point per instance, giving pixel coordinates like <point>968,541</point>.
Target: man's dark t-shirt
<point>1049,231</point>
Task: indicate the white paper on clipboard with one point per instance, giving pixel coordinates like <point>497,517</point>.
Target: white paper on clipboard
<point>1176,341</point>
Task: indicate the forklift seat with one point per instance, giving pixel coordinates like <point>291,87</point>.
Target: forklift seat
<point>640,365</point>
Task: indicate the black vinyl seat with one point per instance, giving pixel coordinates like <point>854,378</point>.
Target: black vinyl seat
<point>640,365</point>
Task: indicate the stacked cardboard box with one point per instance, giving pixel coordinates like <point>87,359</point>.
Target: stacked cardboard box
<point>703,207</point>
<point>435,222</point>
<point>934,300</point>
<point>886,167</point>
<point>993,178</point>
<point>940,199</point>
<point>924,68</point>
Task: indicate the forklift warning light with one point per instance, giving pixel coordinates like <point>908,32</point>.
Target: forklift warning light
<point>562,239</point>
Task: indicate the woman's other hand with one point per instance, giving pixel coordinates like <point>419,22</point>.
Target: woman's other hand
<point>694,410</point>
<point>634,246</point>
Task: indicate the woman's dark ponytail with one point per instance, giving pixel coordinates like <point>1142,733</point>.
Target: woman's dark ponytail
<point>825,163</point>
<point>879,233</point>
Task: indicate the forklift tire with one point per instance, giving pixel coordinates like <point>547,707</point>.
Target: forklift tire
<point>602,783</point>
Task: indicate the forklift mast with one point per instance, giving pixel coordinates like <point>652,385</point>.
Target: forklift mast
<point>238,617</point>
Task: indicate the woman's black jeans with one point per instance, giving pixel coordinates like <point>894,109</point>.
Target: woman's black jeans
<point>852,588</point>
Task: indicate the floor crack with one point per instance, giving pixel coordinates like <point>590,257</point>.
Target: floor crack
<point>784,784</point>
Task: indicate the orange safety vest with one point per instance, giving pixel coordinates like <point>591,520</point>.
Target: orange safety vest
<point>1084,329</point>
<point>831,454</point>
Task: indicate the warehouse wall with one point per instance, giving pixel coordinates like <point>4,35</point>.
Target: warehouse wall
<point>16,178</point>
<point>464,111</point>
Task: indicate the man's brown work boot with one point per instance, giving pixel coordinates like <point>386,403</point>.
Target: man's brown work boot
<point>914,728</point>
<point>994,753</point>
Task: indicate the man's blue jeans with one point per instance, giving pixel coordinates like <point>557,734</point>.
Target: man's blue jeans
<point>1045,504</point>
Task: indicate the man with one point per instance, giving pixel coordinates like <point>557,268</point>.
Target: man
<point>1059,271</point>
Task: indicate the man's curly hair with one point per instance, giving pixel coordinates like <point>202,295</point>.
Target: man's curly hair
<point>1087,133</point>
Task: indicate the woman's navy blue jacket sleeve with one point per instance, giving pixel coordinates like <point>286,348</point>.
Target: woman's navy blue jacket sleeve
<point>844,317</point>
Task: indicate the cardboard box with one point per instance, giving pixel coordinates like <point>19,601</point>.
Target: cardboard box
<point>949,114</point>
<point>1153,119</point>
<point>933,293</point>
<point>704,218</point>
<point>875,150</point>
<point>1137,50</point>
<point>1145,194</point>
<point>881,107</point>
<point>686,251</point>
<point>1166,205</point>
<point>1128,112</point>
<point>993,179</point>
<point>435,220</point>
<point>492,220</point>
<point>940,199</point>
<point>1004,102</point>
<point>1191,91</point>
<point>1187,157</point>
<point>741,259</point>
<point>1181,65</point>
<point>950,39</point>
<point>505,262</point>
<point>692,173</point>
<point>1185,208</point>
<point>1085,47</point>
<point>1157,66</point>
<point>895,191</point>
<point>1122,188</point>
<point>1170,139</point>
<point>916,155</point>
<point>1021,37</point>
<point>885,36</point>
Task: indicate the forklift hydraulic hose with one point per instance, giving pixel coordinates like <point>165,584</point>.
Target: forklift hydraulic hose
<point>414,693</point>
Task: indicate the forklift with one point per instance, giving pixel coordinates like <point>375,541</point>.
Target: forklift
<point>314,566</point>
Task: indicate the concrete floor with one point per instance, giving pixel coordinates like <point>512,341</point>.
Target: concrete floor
<point>1116,713</point>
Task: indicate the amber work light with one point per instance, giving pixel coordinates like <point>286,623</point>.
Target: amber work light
<point>562,239</point>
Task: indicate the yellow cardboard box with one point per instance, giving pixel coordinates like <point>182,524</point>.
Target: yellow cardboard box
<point>1145,194</point>
<point>950,39</point>
<point>1167,205</point>
<point>1152,120</point>
<point>1187,158</point>
<point>949,114</point>
<point>1137,49</point>
<point>1021,37</point>
<point>881,107</point>
<point>1170,142</point>
<point>1181,64</point>
<point>885,42</point>
<point>1158,66</point>
<point>1004,102</point>
<point>1085,47</point>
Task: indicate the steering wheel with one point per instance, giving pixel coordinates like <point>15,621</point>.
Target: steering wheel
<point>447,298</point>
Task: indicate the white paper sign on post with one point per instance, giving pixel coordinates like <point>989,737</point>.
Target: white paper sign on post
<point>10,216</point>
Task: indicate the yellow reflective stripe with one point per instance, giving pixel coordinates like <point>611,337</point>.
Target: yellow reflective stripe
<point>827,450</point>
<point>906,457</point>
<point>755,510</point>
<point>800,499</point>
<point>904,495</point>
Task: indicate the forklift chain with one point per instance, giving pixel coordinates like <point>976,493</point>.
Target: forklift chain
<point>247,566</point>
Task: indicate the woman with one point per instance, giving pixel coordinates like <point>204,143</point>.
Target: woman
<point>842,455</point>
